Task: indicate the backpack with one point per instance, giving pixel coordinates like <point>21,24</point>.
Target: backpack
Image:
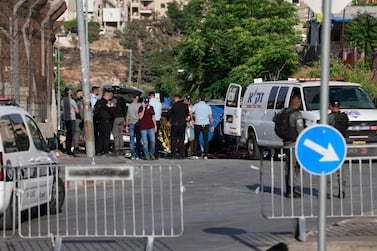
<point>282,126</point>
<point>341,123</point>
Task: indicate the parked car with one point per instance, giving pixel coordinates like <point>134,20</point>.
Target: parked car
<point>22,145</point>
<point>127,93</point>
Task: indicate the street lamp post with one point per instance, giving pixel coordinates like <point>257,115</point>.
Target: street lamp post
<point>58,95</point>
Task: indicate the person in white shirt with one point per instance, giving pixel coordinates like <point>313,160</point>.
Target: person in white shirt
<point>203,122</point>
<point>93,96</point>
<point>157,110</point>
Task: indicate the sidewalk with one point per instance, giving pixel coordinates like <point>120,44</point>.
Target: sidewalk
<point>82,159</point>
<point>348,235</point>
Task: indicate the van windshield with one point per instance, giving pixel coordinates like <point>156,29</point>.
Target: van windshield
<point>348,96</point>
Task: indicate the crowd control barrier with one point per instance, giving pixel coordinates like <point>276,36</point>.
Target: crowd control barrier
<point>96,201</point>
<point>357,178</point>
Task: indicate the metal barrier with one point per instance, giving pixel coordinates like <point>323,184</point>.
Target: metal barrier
<point>100,201</point>
<point>8,203</point>
<point>358,174</point>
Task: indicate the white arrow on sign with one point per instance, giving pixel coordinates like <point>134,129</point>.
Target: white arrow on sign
<point>329,154</point>
<point>336,5</point>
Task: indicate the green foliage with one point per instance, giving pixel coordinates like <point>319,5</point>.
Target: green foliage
<point>153,48</point>
<point>236,41</point>
<point>356,74</point>
<point>93,31</point>
<point>71,24</point>
<point>362,32</point>
<point>176,16</point>
<point>362,3</point>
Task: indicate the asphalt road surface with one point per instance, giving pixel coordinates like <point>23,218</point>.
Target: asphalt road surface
<point>221,212</point>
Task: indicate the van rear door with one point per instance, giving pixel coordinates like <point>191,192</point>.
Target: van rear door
<point>232,110</point>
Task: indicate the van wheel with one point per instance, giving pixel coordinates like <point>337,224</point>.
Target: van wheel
<point>252,146</point>
<point>8,216</point>
<point>56,202</point>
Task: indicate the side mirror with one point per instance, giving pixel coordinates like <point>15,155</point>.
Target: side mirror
<point>52,143</point>
<point>375,102</point>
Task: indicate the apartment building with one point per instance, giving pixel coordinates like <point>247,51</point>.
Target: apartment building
<point>113,14</point>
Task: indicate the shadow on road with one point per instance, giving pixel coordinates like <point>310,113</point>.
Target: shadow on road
<point>234,233</point>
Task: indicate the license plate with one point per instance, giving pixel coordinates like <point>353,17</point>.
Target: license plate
<point>359,142</point>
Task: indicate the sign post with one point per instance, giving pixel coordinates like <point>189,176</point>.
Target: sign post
<point>321,150</point>
<point>325,74</point>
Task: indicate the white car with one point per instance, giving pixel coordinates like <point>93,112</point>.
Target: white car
<point>22,150</point>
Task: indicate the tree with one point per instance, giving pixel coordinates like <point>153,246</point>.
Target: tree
<point>237,41</point>
<point>362,32</point>
<point>176,16</point>
<point>151,42</point>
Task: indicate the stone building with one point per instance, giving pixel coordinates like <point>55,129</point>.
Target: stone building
<point>27,35</point>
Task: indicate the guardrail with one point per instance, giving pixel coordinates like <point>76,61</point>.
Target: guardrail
<point>358,174</point>
<point>100,201</point>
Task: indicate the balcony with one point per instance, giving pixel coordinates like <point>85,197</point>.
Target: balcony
<point>145,10</point>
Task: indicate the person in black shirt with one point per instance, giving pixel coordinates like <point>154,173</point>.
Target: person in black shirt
<point>177,116</point>
<point>104,113</point>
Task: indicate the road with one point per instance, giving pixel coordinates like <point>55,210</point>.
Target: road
<point>221,212</point>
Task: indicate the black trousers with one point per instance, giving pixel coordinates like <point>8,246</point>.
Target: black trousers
<point>157,141</point>
<point>103,136</point>
<point>70,126</point>
<point>177,137</point>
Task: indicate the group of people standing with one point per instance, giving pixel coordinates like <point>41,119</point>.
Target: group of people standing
<point>198,116</point>
<point>111,114</point>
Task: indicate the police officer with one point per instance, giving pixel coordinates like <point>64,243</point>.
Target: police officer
<point>340,121</point>
<point>104,113</point>
<point>119,121</point>
<point>296,122</point>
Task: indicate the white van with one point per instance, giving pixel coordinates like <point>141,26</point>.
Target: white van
<point>21,146</point>
<point>250,119</point>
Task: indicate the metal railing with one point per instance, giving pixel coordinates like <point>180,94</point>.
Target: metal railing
<point>356,178</point>
<point>358,174</point>
<point>99,201</point>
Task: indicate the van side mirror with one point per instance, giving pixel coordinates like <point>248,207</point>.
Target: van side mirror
<point>375,102</point>
<point>52,143</point>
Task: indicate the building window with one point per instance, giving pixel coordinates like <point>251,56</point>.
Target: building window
<point>163,6</point>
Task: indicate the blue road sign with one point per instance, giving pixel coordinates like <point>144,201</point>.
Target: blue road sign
<point>320,149</point>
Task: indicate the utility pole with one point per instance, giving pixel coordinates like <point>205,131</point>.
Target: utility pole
<point>130,69</point>
<point>84,58</point>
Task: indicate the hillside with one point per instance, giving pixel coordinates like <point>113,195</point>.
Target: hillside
<point>108,62</point>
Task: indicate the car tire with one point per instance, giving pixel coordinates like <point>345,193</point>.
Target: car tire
<point>56,207</point>
<point>252,146</point>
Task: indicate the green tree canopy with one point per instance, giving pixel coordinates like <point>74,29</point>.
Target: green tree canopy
<point>237,41</point>
<point>362,32</point>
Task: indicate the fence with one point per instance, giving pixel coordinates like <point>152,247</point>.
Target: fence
<point>358,174</point>
<point>98,201</point>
